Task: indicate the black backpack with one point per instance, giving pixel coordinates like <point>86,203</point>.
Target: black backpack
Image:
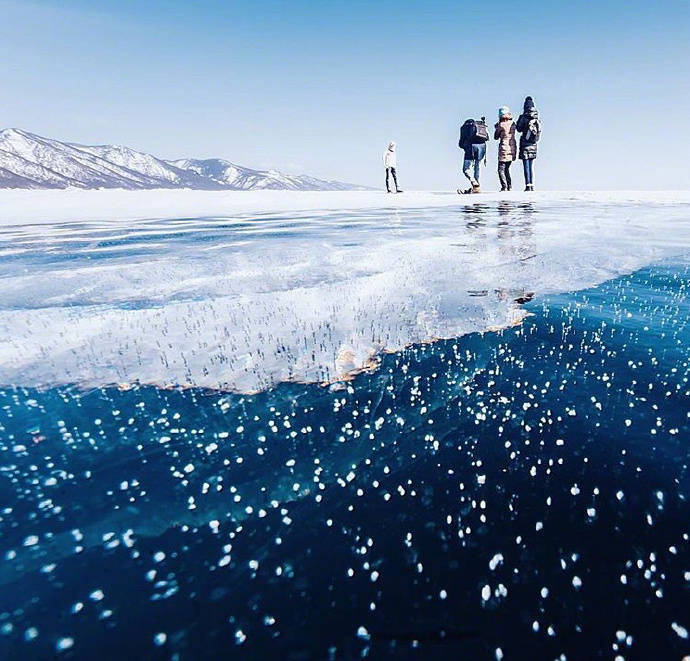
<point>481,132</point>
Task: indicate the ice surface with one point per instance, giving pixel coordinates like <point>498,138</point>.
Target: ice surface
<point>241,299</point>
<point>438,507</point>
<point>21,207</point>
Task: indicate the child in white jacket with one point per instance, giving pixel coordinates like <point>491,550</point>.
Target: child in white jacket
<point>390,161</point>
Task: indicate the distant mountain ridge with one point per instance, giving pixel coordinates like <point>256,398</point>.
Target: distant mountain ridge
<point>32,161</point>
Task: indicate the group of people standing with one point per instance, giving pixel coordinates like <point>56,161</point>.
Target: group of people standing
<point>474,135</point>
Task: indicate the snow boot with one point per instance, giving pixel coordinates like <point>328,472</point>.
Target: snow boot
<point>464,192</point>
<point>476,188</point>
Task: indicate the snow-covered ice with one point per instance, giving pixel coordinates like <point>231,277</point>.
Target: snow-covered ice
<point>21,207</point>
<point>242,290</point>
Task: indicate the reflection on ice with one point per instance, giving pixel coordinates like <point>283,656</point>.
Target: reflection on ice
<point>245,302</point>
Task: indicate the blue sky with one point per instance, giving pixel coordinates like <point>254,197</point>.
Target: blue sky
<point>320,87</point>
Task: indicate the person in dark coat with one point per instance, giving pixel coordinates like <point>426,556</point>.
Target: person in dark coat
<point>529,128</point>
<point>475,152</point>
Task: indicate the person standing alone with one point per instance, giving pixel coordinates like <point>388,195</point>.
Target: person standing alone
<point>473,138</point>
<point>390,161</point>
<point>529,128</point>
<point>504,132</point>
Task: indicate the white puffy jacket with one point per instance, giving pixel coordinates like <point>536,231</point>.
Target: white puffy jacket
<point>390,158</point>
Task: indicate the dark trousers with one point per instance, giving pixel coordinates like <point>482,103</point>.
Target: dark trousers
<point>504,175</point>
<point>391,171</point>
<point>528,167</point>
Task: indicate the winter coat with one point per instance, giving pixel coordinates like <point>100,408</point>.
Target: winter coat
<point>390,158</point>
<point>504,132</point>
<point>528,147</point>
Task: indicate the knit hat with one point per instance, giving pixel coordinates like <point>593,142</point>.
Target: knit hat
<point>529,103</point>
<point>503,111</point>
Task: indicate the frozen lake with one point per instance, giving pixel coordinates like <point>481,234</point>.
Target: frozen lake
<point>519,493</point>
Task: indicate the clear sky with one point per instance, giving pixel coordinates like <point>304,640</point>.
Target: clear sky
<point>320,87</point>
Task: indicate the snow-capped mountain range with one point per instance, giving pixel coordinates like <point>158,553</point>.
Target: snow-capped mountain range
<point>31,161</point>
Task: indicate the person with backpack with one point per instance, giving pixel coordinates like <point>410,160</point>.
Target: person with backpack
<point>529,128</point>
<point>504,132</point>
<point>390,162</point>
<point>473,138</point>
